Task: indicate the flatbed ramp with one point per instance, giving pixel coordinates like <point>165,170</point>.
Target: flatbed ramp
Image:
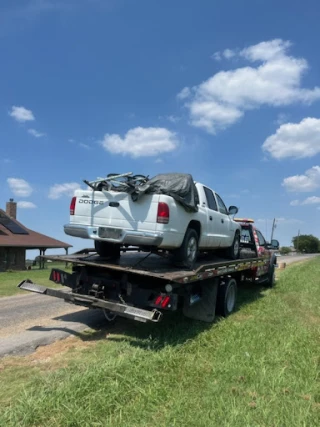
<point>154,266</point>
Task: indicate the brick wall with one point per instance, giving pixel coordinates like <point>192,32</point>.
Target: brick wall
<point>11,209</point>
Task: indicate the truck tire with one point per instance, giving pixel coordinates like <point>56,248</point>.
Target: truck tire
<point>270,283</point>
<point>227,297</point>
<point>186,255</point>
<point>107,250</point>
<point>234,251</point>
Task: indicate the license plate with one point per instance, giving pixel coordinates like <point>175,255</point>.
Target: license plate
<point>110,233</point>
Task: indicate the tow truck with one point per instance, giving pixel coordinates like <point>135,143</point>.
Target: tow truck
<point>144,286</point>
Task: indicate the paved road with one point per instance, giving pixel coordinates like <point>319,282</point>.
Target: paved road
<point>295,258</point>
<point>28,321</point>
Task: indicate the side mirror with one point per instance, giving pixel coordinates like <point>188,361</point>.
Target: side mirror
<point>233,210</point>
<point>275,244</point>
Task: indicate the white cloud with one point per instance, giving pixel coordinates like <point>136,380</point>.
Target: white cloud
<point>173,119</point>
<point>21,114</point>
<point>141,142</point>
<point>303,183</point>
<point>282,118</point>
<point>228,53</point>
<point>216,56</point>
<point>35,133</point>
<point>222,100</point>
<point>20,187</point>
<point>184,93</point>
<point>26,205</point>
<point>313,200</point>
<point>66,189</point>
<point>266,51</point>
<point>87,147</point>
<point>295,140</point>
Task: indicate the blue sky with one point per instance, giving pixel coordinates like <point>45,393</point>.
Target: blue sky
<point>227,90</point>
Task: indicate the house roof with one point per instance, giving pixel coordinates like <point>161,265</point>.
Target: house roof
<point>29,239</point>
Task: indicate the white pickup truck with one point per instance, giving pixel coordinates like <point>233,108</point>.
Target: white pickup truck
<point>155,221</point>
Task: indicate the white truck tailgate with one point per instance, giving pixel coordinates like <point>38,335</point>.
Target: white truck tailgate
<point>115,209</point>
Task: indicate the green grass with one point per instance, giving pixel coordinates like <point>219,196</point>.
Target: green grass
<point>259,367</point>
<point>10,279</point>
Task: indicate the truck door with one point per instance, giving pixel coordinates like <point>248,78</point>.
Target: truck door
<point>226,232</point>
<point>215,226</point>
<point>263,251</point>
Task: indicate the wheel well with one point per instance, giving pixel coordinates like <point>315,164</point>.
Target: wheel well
<point>195,225</point>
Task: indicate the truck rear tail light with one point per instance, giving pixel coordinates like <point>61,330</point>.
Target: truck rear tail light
<point>162,301</point>
<point>163,213</point>
<point>55,276</point>
<point>73,205</point>
<point>165,302</point>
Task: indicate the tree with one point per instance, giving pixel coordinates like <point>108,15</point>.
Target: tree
<point>306,243</point>
<point>285,250</point>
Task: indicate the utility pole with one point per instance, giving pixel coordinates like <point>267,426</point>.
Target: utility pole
<point>274,225</point>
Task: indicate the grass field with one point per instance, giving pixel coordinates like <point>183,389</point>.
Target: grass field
<point>9,280</point>
<point>259,367</point>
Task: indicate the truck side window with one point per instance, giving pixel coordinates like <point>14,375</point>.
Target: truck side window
<point>262,242</point>
<point>212,204</point>
<point>222,206</point>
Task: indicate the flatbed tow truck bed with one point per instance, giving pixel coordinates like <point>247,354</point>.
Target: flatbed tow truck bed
<point>144,286</point>
<point>155,266</point>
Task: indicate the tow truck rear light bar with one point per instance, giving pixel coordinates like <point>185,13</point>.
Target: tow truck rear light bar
<point>244,220</point>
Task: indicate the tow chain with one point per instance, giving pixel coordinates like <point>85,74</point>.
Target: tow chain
<point>122,300</point>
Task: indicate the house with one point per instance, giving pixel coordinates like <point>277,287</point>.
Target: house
<point>16,239</point>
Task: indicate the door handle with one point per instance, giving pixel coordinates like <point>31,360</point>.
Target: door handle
<point>222,221</point>
<point>210,217</point>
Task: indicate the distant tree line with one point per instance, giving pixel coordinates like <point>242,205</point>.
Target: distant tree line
<point>306,243</point>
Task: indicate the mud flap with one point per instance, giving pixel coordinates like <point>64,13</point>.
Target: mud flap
<point>204,309</point>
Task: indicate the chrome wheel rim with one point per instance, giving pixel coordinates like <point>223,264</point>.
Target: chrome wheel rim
<point>192,249</point>
<point>231,298</point>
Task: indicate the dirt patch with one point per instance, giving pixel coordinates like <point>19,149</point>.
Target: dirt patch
<point>242,317</point>
<point>51,356</point>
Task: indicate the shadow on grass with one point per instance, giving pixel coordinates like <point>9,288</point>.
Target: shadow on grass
<point>173,330</point>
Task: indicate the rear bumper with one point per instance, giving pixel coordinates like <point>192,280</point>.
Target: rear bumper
<point>128,237</point>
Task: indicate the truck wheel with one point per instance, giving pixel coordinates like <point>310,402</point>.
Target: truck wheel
<point>227,297</point>
<point>271,277</point>
<point>187,254</point>
<point>107,250</point>
<point>234,251</point>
